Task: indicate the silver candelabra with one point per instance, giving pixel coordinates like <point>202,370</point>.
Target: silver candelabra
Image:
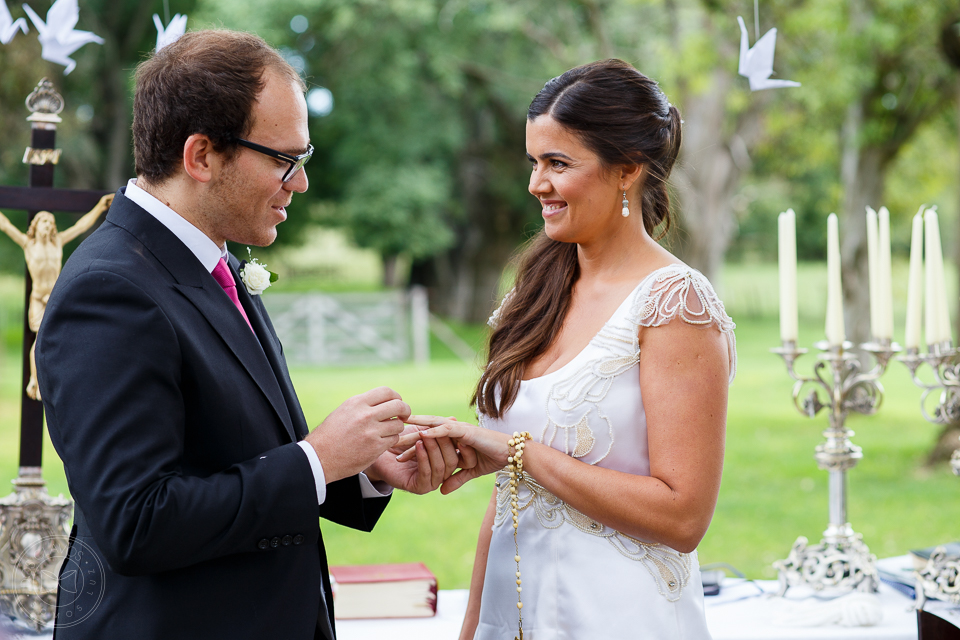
<point>940,578</point>
<point>841,560</point>
<point>944,361</point>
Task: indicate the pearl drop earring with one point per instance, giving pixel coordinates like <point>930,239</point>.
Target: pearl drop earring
<point>625,212</point>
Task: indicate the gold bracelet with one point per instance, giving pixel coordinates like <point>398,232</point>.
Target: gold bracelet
<point>515,465</point>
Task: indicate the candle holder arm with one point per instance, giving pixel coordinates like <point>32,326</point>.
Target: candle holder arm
<point>811,404</point>
<point>943,363</point>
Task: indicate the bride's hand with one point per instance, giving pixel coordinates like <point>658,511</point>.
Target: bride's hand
<point>405,450</point>
<point>487,449</point>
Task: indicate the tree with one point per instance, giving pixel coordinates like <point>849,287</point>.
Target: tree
<point>879,76</point>
<point>423,152</point>
<point>722,123</point>
<point>434,93</point>
<point>430,97</point>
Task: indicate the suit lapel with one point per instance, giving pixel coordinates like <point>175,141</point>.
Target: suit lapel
<point>297,425</point>
<point>199,287</point>
<point>216,307</point>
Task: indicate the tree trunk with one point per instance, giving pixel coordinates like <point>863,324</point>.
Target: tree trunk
<point>118,161</point>
<point>948,440</point>
<point>956,248</point>
<point>468,274</point>
<point>389,270</point>
<point>707,175</point>
<point>863,173</point>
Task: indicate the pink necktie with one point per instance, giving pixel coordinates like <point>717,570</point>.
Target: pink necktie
<point>221,273</point>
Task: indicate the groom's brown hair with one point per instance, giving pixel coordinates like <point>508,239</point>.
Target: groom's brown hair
<point>206,82</point>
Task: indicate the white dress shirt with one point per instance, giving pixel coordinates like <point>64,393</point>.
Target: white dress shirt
<point>209,254</point>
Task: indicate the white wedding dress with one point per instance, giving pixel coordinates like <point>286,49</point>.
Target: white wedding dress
<point>583,580</point>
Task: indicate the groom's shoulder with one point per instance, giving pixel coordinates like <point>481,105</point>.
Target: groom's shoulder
<point>118,245</point>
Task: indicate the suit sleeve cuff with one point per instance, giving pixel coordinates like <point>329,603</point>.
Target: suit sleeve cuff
<point>370,490</point>
<point>317,468</point>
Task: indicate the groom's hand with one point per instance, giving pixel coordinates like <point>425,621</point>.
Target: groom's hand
<point>358,432</point>
<point>427,465</point>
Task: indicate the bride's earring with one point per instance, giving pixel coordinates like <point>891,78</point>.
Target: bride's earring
<point>625,212</point>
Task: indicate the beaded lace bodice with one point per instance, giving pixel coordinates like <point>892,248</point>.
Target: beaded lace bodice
<point>592,409</point>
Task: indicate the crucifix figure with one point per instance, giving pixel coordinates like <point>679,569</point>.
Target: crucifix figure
<point>42,248</point>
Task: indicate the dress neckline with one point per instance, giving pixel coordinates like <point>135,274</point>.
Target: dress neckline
<point>674,265</point>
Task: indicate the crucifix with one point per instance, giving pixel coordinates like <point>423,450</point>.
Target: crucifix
<point>42,248</point>
<point>33,524</point>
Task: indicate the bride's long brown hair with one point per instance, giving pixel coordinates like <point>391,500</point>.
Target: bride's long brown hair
<point>623,117</point>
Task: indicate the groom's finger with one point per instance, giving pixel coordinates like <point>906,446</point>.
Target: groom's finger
<point>394,408</point>
<point>406,441</point>
<point>434,460</point>
<point>449,457</point>
<point>425,470</point>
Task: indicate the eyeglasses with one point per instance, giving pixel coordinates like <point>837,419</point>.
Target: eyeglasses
<point>296,162</point>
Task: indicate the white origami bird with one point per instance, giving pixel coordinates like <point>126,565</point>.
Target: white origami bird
<point>756,64</point>
<point>176,28</point>
<point>9,26</point>
<point>58,37</point>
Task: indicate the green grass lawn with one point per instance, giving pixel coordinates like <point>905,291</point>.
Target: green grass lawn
<point>772,490</point>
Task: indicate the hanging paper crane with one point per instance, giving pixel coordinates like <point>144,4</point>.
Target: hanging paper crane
<point>58,38</point>
<point>176,28</point>
<point>756,64</point>
<point>9,26</point>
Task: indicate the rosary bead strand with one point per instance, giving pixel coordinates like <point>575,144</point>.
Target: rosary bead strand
<point>515,465</point>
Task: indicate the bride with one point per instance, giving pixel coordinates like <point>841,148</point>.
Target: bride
<point>605,392</point>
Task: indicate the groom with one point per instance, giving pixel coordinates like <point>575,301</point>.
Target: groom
<point>197,485</point>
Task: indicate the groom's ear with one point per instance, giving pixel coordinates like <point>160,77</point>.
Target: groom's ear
<point>200,160</point>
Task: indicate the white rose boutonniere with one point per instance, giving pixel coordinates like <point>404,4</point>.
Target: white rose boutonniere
<point>255,276</point>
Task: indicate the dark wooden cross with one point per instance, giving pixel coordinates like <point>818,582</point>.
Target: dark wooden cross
<point>39,196</point>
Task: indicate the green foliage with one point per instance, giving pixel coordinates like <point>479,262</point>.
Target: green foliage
<point>407,218</point>
<point>882,58</point>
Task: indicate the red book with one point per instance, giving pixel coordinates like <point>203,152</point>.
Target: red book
<point>384,591</point>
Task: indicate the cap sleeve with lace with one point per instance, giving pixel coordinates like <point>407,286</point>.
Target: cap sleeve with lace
<point>495,316</point>
<point>681,291</point>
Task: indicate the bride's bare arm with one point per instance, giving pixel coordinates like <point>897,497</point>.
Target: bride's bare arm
<point>684,377</point>
<point>472,615</point>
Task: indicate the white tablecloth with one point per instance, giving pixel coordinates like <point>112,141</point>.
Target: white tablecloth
<point>754,616</point>
<point>738,613</point>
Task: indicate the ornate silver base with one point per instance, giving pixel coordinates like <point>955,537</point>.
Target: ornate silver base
<point>840,562</point>
<point>939,580</point>
<point>34,529</point>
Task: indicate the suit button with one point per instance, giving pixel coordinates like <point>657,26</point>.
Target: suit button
<point>298,539</point>
<point>275,543</point>
<point>286,541</point>
<point>263,544</point>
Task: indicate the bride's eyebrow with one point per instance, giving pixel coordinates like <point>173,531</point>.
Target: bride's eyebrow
<point>551,155</point>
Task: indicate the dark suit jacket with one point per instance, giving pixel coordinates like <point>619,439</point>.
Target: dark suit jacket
<point>198,513</point>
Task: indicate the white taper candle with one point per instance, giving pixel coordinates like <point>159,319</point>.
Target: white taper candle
<point>873,272</point>
<point>885,278</point>
<point>944,332</point>
<point>835,330</point>
<point>915,284</point>
<point>932,291</point>
<point>787,237</point>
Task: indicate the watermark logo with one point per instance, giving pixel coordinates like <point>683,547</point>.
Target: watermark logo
<point>45,562</point>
